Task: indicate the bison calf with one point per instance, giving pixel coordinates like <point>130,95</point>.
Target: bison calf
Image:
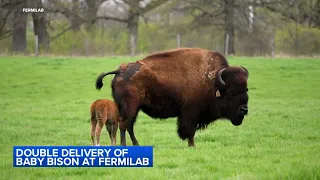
<point>104,111</point>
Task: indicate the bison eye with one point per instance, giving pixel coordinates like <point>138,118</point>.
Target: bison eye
<point>247,89</point>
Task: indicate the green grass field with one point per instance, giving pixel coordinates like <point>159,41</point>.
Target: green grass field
<point>46,100</point>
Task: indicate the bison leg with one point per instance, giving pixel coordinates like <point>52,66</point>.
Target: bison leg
<point>126,124</point>
<point>191,141</point>
<point>127,99</point>
<point>112,130</point>
<point>98,131</point>
<point>93,129</point>
<point>130,124</point>
<point>187,126</point>
<point>123,129</point>
<point>109,129</point>
<point>130,111</point>
<point>101,118</point>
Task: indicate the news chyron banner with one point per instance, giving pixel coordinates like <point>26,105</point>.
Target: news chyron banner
<point>82,156</point>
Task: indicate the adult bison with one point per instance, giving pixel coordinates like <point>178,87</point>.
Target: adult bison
<point>195,85</point>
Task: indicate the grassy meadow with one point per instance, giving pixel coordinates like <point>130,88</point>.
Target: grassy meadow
<point>46,100</point>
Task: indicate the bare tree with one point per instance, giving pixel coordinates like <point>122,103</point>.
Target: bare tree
<point>19,34</point>
<point>229,25</point>
<point>76,8</point>
<point>309,10</point>
<point>134,10</point>
<point>6,11</point>
<point>219,13</point>
<point>231,16</point>
<point>39,25</point>
<point>91,11</point>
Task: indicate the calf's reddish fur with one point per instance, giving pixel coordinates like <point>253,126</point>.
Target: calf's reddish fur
<point>104,111</point>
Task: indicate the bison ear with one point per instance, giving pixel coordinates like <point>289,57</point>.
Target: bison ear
<point>245,69</point>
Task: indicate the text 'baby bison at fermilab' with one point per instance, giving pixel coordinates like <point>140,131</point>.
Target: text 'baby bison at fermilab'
<point>195,85</point>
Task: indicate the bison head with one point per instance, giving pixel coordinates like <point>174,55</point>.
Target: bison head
<point>232,83</point>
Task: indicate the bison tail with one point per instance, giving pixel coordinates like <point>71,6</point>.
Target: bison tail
<point>99,82</point>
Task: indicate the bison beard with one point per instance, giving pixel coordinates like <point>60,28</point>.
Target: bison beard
<point>180,83</point>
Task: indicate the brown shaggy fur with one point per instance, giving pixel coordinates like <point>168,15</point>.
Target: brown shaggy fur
<point>180,83</point>
<point>104,111</point>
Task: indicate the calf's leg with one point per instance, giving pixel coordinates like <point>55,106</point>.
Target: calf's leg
<point>114,132</point>
<point>93,129</point>
<point>102,118</point>
<point>112,128</point>
<point>98,131</point>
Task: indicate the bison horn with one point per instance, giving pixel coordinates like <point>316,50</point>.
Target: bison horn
<point>220,78</point>
<point>245,69</point>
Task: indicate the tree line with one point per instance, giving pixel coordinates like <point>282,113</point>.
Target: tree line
<point>234,27</point>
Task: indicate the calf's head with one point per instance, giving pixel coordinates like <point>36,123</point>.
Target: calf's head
<point>232,83</point>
